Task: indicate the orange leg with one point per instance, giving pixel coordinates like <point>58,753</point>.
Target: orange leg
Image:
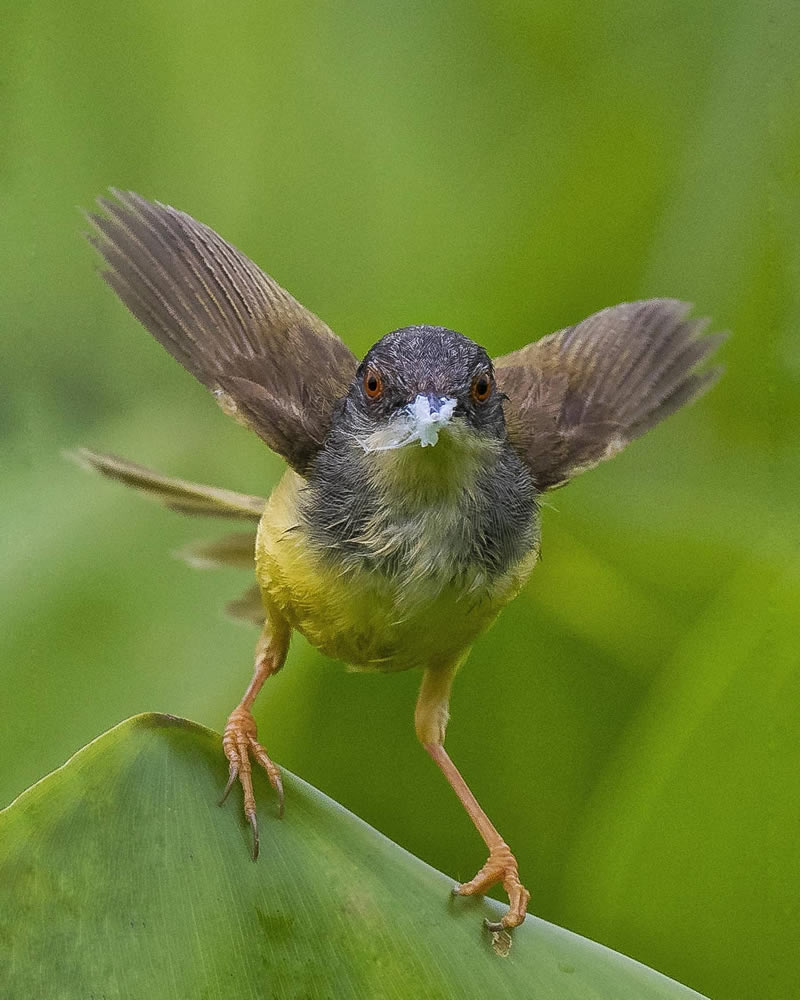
<point>501,866</point>
<point>239,740</point>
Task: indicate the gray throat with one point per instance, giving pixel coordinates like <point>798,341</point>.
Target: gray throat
<point>475,525</point>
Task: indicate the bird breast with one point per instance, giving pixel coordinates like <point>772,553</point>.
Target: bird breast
<point>398,563</point>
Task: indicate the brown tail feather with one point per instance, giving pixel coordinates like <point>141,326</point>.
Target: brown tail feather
<point>178,494</point>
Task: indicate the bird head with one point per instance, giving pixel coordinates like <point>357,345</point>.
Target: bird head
<point>417,476</point>
<point>418,383</point>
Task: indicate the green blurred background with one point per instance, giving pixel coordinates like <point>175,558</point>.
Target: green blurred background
<point>631,723</point>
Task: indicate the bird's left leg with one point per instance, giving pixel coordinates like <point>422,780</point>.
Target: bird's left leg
<point>431,722</point>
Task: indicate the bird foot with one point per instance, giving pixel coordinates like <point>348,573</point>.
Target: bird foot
<point>239,742</point>
<point>501,867</point>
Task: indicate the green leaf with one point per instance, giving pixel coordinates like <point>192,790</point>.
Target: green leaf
<point>122,878</point>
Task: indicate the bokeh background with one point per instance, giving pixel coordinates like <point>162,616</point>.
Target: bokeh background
<point>631,722</point>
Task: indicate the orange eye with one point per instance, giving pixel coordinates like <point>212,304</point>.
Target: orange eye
<point>373,384</point>
<point>482,387</point>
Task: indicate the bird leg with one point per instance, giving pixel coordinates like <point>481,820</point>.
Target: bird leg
<point>239,741</point>
<point>431,722</point>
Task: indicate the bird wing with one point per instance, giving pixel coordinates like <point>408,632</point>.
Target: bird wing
<point>273,365</point>
<point>580,395</point>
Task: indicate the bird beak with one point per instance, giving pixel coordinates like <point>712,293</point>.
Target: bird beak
<point>429,413</point>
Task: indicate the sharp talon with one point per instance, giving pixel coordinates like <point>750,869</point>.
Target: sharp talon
<point>240,744</point>
<point>254,825</point>
<point>501,867</point>
<point>231,778</point>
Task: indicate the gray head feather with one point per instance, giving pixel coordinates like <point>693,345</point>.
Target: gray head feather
<point>464,509</point>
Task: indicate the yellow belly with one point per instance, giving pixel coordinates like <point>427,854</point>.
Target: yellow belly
<point>367,619</point>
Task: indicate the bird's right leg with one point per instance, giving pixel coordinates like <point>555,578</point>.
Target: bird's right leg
<point>239,740</point>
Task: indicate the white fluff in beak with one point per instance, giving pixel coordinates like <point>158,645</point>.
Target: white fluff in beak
<point>425,422</point>
<point>415,422</point>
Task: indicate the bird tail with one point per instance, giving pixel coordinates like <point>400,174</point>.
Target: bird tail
<point>236,549</point>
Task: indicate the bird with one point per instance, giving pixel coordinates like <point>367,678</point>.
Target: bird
<point>409,512</point>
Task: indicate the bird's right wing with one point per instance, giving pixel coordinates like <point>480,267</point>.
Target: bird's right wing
<point>272,363</point>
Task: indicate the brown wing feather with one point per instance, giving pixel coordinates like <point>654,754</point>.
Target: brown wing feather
<point>580,395</point>
<point>272,364</point>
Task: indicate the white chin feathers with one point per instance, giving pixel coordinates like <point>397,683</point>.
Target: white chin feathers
<point>415,422</point>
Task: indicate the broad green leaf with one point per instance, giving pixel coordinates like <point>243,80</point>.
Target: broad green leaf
<point>122,878</point>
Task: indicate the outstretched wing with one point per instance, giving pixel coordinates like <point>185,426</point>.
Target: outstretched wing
<point>272,364</point>
<point>580,395</point>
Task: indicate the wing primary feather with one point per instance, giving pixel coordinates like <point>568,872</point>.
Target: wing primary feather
<point>271,362</point>
<point>664,381</point>
<point>136,269</point>
<point>149,230</point>
<point>198,264</point>
<point>686,392</point>
<point>579,396</point>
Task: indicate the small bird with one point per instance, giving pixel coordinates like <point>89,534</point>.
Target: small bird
<point>408,516</point>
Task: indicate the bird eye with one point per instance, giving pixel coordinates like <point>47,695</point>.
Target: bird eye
<point>373,384</point>
<point>482,387</point>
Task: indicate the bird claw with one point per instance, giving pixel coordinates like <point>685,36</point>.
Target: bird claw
<point>232,776</point>
<point>239,742</point>
<point>501,866</point>
<point>251,816</point>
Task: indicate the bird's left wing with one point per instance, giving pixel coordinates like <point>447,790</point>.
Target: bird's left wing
<point>581,395</point>
<point>273,364</point>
